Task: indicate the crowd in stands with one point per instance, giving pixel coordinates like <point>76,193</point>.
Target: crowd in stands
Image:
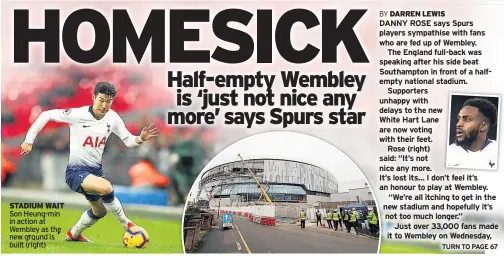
<point>174,158</point>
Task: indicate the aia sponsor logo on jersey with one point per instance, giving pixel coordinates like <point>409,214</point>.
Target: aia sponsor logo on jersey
<point>94,142</point>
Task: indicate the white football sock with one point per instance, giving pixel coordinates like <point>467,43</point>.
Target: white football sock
<point>86,220</point>
<point>115,208</point>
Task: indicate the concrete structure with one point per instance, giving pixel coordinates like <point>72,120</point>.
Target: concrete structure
<point>347,185</point>
<point>291,185</point>
<point>357,195</point>
<point>285,181</point>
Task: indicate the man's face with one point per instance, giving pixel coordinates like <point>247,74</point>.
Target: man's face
<point>470,122</point>
<point>102,103</point>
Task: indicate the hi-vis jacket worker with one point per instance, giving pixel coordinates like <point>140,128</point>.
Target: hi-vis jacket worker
<point>302,217</point>
<point>329,219</point>
<point>354,216</point>
<point>373,221</point>
<point>8,168</point>
<point>144,174</point>
<point>346,218</point>
<point>336,218</point>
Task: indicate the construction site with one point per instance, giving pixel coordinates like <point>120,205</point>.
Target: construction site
<point>264,200</point>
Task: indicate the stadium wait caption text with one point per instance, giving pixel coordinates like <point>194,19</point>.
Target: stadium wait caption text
<point>29,227</point>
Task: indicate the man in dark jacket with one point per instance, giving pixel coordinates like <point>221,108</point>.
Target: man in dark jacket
<point>319,218</point>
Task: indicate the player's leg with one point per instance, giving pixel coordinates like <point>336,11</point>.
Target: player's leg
<point>87,219</point>
<point>97,185</point>
<point>74,178</point>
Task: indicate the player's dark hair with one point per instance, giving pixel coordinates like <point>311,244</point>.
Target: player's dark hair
<point>105,88</point>
<point>487,108</point>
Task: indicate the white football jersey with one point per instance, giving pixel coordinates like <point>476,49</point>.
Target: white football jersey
<point>484,159</point>
<point>88,135</point>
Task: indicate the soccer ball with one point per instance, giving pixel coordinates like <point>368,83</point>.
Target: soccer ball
<point>135,237</point>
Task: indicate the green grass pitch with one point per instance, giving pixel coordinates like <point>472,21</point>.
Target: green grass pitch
<point>106,234</point>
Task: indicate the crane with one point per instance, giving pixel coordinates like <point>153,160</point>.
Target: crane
<point>259,184</point>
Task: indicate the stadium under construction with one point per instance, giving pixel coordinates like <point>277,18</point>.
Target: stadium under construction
<point>261,180</point>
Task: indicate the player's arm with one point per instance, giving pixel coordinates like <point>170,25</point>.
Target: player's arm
<point>57,115</point>
<point>131,140</point>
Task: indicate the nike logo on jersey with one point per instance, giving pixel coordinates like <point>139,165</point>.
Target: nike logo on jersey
<point>86,126</point>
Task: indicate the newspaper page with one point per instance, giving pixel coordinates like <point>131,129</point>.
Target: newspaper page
<point>177,127</point>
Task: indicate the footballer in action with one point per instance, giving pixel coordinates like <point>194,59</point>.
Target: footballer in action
<point>90,127</point>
